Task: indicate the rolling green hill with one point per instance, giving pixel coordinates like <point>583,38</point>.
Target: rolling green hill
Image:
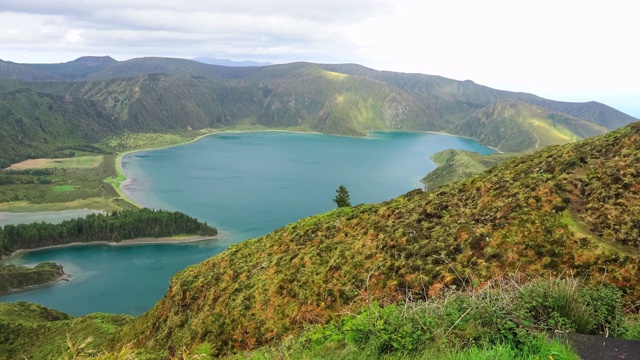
<point>469,95</point>
<point>565,208</point>
<point>35,332</point>
<point>514,126</point>
<point>457,165</point>
<point>11,70</point>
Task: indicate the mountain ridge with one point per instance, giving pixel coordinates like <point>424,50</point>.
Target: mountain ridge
<point>157,94</point>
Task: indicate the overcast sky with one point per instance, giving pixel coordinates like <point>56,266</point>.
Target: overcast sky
<point>562,49</point>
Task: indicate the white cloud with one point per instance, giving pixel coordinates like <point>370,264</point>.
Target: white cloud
<point>74,36</point>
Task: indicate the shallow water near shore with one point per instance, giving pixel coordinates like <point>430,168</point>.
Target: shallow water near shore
<point>245,184</point>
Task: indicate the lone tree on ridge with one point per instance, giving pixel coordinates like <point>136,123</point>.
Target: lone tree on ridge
<point>342,197</point>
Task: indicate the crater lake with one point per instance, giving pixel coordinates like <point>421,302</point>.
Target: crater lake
<point>246,185</point>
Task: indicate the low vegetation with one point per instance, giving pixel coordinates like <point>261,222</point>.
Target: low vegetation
<point>60,184</point>
<point>35,332</point>
<point>458,165</point>
<point>507,318</point>
<point>21,277</point>
<point>512,317</point>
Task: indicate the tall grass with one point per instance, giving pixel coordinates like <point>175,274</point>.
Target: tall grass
<point>507,318</point>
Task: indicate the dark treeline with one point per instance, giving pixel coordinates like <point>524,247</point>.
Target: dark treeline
<point>119,225</point>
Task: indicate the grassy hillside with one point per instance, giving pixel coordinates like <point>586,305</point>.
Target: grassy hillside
<point>457,165</point>
<point>19,277</point>
<point>514,126</point>
<point>35,332</point>
<point>34,124</point>
<point>469,96</point>
<point>566,208</point>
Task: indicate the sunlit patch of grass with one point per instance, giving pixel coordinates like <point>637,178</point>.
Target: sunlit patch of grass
<point>335,75</point>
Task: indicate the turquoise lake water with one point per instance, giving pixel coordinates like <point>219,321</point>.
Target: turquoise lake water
<point>245,184</point>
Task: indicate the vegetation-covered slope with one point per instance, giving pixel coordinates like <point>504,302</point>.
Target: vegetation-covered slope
<point>34,124</point>
<point>573,207</point>
<point>19,277</point>
<point>467,96</point>
<point>514,126</point>
<point>456,165</point>
<point>35,332</point>
<point>77,69</point>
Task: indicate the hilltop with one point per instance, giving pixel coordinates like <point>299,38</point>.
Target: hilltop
<point>566,208</point>
<point>54,107</point>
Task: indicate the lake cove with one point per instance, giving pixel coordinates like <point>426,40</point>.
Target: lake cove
<point>245,184</point>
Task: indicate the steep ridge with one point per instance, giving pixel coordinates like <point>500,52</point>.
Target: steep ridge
<point>566,208</point>
<point>474,96</point>
<point>307,98</point>
<point>515,126</point>
<point>157,65</point>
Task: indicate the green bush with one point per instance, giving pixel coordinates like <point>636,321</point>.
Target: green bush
<point>569,305</point>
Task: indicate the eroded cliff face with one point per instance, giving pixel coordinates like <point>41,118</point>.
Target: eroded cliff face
<point>566,208</point>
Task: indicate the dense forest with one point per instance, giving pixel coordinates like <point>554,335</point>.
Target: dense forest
<point>117,226</point>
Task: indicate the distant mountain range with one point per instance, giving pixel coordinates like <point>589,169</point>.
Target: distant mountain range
<point>90,98</point>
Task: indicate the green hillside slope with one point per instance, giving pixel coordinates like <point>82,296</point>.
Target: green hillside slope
<point>461,94</point>
<point>11,70</point>
<point>514,126</point>
<point>34,124</point>
<point>456,165</point>
<point>35,332</point>
<point>566,208</point>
